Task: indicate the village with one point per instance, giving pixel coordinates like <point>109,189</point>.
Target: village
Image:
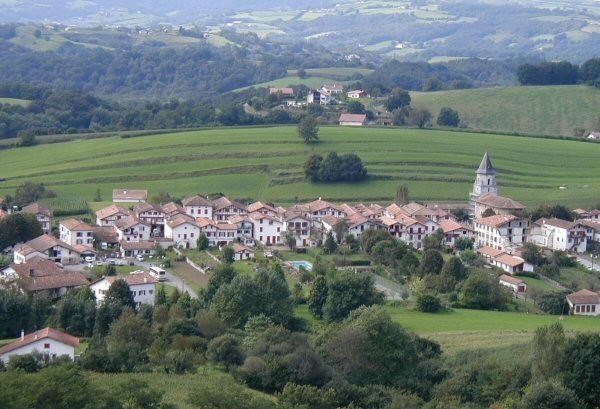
<point>132,230</point>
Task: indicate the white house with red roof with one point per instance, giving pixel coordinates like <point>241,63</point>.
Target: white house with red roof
<point>151,215</point>
<point>107,216</point>
<point>584,302</point>
<point>183,230</point>
<point>226,233</point>
<point>501,231</point>
<point>242,252</point>
<point>558,234</point>
<point>454,230</point>
<point>48,247</point>
<point>131,229</point>
<point>73,232</point>
<point>198,206</point>
<point>267,229</point>
<point>515,284</point>
<point>224,208</point>
<point>300,226</point>
<point>48,341</point>
<point>141,284</point>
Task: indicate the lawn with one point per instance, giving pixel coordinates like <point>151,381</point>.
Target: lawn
<point>265,163</point>
<point>545,110</point>
<point>468,329</point>
<point>175,388</point>
<point>25,103</point>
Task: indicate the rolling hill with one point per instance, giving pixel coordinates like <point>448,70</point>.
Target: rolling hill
<point>543,110</point>
<point>266,164</point>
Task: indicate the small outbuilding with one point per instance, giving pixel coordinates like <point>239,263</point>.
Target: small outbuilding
<point>515,284</point>
<point>352,119</point>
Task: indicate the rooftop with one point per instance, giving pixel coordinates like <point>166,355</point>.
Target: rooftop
<point>41,334</point>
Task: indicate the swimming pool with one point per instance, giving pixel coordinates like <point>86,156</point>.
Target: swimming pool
<point>302,263</point>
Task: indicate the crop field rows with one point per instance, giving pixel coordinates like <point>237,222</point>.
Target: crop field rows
<point>266,164</point>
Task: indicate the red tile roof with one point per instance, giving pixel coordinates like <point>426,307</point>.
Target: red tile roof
<point>41,334</point>
<point>510,279</point>
<point>39,274</point>
<point>37,208</point>
<point>353,118</point>
<point>196,201</point>
<point>110,211</point>
<point>75,225</point>
<point>584,297</point>
<point>489,251</point>
<point>509,260</point>
<point>450,225</point>
<point>499,202</point>
<point>496,220</point>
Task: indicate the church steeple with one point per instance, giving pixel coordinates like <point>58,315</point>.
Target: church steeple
<point>485,182</point>
<point>485,167</point>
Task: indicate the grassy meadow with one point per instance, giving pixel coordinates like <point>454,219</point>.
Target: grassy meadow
<point>266,164</point>
<point>544,110</point>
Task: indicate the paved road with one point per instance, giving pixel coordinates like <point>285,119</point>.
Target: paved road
<point>171,279</point>
<point>587,262</point>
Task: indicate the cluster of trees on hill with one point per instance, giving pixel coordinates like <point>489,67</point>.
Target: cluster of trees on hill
<point>560,73</point>
<point>334,168</point>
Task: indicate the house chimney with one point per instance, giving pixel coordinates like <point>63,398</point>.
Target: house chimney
<point>22,335</point>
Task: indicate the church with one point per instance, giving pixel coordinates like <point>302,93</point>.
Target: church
<point>485,193</point>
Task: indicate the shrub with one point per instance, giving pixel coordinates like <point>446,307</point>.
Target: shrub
<point>428,303</point>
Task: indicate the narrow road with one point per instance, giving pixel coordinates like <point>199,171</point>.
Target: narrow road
<point>588,262</point>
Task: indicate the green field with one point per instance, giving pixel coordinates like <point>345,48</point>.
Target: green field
<point>14,101</point>
<point>266,164</point>
<point>544,110</point>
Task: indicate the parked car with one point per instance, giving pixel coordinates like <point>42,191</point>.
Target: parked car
<point>89,259</point>
<point>139,257</point>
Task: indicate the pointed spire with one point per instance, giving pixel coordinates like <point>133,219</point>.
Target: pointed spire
<point>486,167</point>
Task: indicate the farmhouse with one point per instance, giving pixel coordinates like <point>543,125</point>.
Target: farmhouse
<point>584,302</point>
<point>557,234</point>
<point>592,215</point>
<point>352,119</point>
<point>129,195</point>
<point>318,97</point>
<point>48,247</point>
<point>515,284</point>
<point>42,213</point>
<point>74,232</point>
<point>198,206</point>
<point>110,214</point>
<point>333,88</point>
<point>508,263</point>
<point>42,276</point>
<point>48,341</point>
<point>593,136</point>
<point>454,230</point>
<point>356,94</point>
<point>500,231</point>
<point>224,208</point>
<point>131,229</point>
<point>183,230</point>
<point>141,284</point>
<point>267,229</point>
<point>105,236</point>
<point>299,225</point>
<point>151,215</point>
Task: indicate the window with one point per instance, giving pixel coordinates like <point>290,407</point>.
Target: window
<point>142,292</point>
<point>47,346</point>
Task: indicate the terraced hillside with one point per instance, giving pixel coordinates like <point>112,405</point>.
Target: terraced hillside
<point>266,164</point>
<point>546,110</point>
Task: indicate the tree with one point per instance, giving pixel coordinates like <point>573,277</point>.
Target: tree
<point>419,117</point>
<point>549,395</point>
<point>582,367</point>
<point>547,352</point>
<point>221,275</point>
<point>308,129</point>
<point>18,227</point>
<point>533,254</point>
<point>454,268</point>
<point>312,167</point>
<point>202,243</point>
<point>75,312</point>
<point>330,246</point>
<point>434,241</point>
<point>463,243</point>
<point>110,270</point>
<point>402,196</point>
<point>161,296</point>
<point>29,192</point>
<point>448,117</point>
<point>431,262</point>
<point>119,294</point>
<point>228,254</point>
<point>98,196</point>
<point>428,303</point>
<point>371,237</point>
<point>26,138</point>
<point>137,394</point>
<point>127,341</point>
<point>347,291</point>
<point>226,350</point>
<point>317,297</point>
<point>289,239</point>
<point>355,107</point>
<point>398,98</point>
<point>480,291</point>
<point>432,84</point>
<point>554,302</point>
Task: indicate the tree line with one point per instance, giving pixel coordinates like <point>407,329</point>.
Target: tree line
<point>560,73</point>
